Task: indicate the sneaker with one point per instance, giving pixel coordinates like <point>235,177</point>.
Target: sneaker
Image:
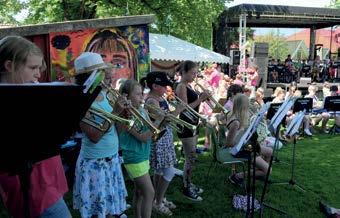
<point>236,181</point>
<point>169,204</point>
<point>197,189</point>
<point>191,194</point>
<point>325,131</point>
<point>161,209</point>
<point>307,132</point>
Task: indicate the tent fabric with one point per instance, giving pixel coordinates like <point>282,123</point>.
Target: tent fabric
<point>170,48</point>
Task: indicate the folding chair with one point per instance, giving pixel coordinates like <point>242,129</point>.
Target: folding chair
<point>222,155</point>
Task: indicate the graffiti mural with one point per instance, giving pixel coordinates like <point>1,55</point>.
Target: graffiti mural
<point>126,48</point>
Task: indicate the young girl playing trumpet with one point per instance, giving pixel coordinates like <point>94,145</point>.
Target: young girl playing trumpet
<point>163,156</point>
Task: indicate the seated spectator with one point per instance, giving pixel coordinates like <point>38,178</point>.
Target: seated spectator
<point>324,116</point>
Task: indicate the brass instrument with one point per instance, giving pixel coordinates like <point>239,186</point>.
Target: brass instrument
<point>211,98</point>
<point>189,111</point>
<point>112,95</point>
<point>175,122</point>
<point>106,117</point>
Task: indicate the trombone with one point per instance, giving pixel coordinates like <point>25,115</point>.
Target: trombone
<point>112,95</point>
<point>106,118</point>
<point>211,98</point>
<point>175,122</point>
<point>188,111</point>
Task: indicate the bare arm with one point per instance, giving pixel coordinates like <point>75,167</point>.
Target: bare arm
<point>231,135</point>
<point>91,132</point>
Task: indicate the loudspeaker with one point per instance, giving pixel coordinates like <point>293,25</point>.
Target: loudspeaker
<point>235,57</point>
<point>260,49</point>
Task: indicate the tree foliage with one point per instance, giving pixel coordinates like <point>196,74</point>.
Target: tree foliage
<point>8,10</point>
<point>187,19</point>
<point>335,3</point>
<point>278,47</point>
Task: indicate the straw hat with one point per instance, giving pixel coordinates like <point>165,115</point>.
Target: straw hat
<point>88,62</point>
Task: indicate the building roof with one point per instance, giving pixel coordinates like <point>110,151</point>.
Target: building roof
<point>40,29</point>
<point>170,48</point>
<point>295,46</point>
<point>281,16</point>
<point>322,36</point>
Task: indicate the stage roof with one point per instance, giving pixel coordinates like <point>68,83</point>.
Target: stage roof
<point>281,16</point>
<point>170,48</point>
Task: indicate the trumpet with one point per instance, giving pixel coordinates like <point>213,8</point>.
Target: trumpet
<point>211,98</point>
<point>189,111</point>
<point>112,95</point>
<point>175,122</point>
<point>106,117</point>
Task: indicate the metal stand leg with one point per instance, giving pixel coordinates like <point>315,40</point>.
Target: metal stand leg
<point>292,181</point>
<point>262,203</point>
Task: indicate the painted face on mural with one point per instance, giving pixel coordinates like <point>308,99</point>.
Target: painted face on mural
<point>120,63</point>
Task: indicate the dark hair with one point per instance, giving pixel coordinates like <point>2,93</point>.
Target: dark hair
<point>233,90</point>
<point>186,66</point>
<point>334,88</point>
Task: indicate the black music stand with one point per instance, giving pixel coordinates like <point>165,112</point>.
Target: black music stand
<point>303,104</point>
<point>274,127</point>
<point>332,105</point>
<point>271,112</point>
<point>250,136</point>
<point>292,131</point>
<point>36,120</point>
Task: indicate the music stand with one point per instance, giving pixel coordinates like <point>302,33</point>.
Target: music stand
<point>274,127</point>
<point>36,120</point>
<point>276,121</point>
<point>292,131</point>
<point>303,104</point>
<point>272,110</point>
<point>332,105</point>
<point>248,136</point>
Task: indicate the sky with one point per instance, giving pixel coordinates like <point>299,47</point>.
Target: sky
<point>283,31</point>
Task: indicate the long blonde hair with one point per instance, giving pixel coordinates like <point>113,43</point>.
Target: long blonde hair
<point>16,49</point>
<point>241,109</point>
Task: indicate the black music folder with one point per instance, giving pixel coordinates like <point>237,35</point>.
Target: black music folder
<point>37,118</point>
<point>303,104</point>
<point>332,103</point>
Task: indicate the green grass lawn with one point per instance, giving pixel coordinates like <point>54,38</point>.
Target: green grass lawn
<point>317,171</point>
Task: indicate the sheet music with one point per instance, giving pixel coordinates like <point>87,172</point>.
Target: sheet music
<point>280,114</point>
<point>295,124</point>
<point>250,130</point>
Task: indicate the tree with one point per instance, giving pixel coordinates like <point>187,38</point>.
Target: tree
<point>335,3</point>
<point>9,9</point>
<point>186,19</point>
<point>278,47</point>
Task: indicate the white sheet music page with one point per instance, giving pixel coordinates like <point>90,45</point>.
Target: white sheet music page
<point>250,130</point>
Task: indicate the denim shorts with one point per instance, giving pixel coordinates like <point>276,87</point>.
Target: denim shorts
<point>57,210</point>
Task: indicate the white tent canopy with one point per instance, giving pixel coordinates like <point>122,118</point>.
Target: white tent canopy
<point>169,48</point>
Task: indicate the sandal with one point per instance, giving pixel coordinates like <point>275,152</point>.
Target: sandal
<point>161,209</point>
<point>169,204</point>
